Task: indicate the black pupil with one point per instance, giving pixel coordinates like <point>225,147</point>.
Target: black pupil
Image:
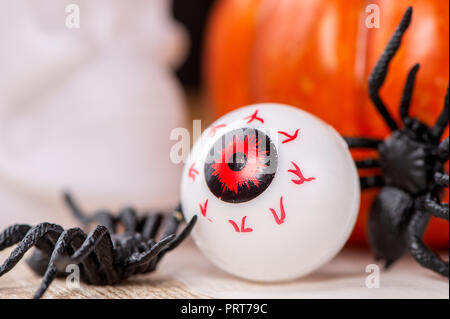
<point>237,161</point>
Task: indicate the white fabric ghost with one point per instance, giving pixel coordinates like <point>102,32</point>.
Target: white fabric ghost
<point>88,109</point>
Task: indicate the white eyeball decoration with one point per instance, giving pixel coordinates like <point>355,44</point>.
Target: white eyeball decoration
<point>276,192</point>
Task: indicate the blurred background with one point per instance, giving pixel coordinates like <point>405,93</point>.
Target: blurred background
<point>91,108</point>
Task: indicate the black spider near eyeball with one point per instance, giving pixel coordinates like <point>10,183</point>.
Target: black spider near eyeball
<point>413,178</point>
<point>105,257</point>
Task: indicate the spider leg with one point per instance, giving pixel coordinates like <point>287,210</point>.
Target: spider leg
<point>76,210</point>
<point>380,70</point>
<point>12,235</point>
<point>68,241</point>
<point>103,217</point>
<point>356,142</point>
<point>433,206</point>
<point>441,179</point>
<point>173,222</point>
<point>171,228</point>
<point>31,238</point>
<point>371,182</point>
<point>129,219</point>
<point>39,260</point>
<point>89,264</point>
<point>139,259</point>
<point>151,225</point>
<point>439,210</point>
<point>91,242</point>
<point>106,219</point>
<point>98,241</point>
<point>443,150</point>
<point>407,93</point>
<point>421,253</point>
<point>368,163</point>
<point>438,129</point>
<point>51,272</point>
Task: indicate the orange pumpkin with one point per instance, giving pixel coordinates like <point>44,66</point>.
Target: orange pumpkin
<point>317,55</point>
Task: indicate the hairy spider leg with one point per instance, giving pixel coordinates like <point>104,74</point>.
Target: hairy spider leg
<point>439,127</point>
<point>151,225</point>
<point>50,272</point>
<point>443,150</point>
<point>171,228</point>
<point>176,220</point>
<point>12,235</point>
<point>103,217</point>
<point>15,233</point>
<point>368,163</point>
<point>149,231</point>
<point>441,179</point>
<point>369,143</point>
<point>407,93</point>
<point>32,237</point>
<point>432,206</point>
<point>421,253</point>
<point>97,242</point>
<point>69,239</point>
<point>439,210</point>
<point>378,75</point>
<point>443,153</point>
<point>371,182</point>
<point>135,261</point>
<point>360,142</point>
<point>129,219</point>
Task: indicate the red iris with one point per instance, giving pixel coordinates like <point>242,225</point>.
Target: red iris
<point>239,163</point>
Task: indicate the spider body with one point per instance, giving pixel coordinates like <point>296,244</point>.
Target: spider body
<point>412,161</point>
<point>104,256</point>
<point>408,162</point>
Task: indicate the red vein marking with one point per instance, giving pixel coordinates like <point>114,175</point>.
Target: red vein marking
<point>203,209</point>
<point>290,138</point>
<point>192,172</point>
<point>243,229</point>
<point>279,220</point>
<point>213,129</point>
<point>236,228</point>
<point>299,173</point>
<point>253,117</point>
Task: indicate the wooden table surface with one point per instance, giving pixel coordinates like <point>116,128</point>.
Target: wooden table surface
<point>186,273</point>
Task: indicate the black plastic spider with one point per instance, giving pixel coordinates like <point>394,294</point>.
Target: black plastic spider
<point>412,165</point>
<point>104,256</point>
